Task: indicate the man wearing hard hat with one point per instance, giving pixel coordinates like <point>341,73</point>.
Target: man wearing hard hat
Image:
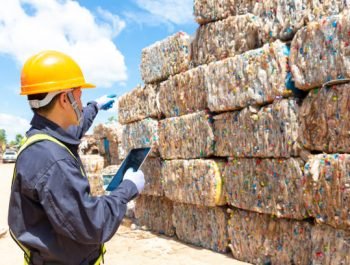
<point>52,216</point>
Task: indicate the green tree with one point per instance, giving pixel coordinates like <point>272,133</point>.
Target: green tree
<point>19,138</point>
<point>3,139</point>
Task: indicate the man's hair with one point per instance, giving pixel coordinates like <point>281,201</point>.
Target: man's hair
<point>41,96</point>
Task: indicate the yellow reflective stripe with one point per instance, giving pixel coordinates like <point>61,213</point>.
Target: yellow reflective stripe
<point>41,137</point>
<point>29,141</point>
<point>100,258</point>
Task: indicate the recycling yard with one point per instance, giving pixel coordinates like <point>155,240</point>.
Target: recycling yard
<point>248,124</point>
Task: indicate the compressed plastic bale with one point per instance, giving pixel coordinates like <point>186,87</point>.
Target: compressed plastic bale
<point>139,134</point>
<point>152,170</point>
<point>255,77</point>
<point>155,213</point>
<point>96,184</point>
<point>194,181</point>
<point>260,239</point>
<point>201,226</point>
<point>325,119</point>
<point>108,137</point>
<point>164,58</point>
<point>188,136</point>
<point>270,131</point>
<point>138,104</point>
<point>183,93</point>
<point>206,11</point>
<point>320,52</point>
<point>327,189</point>
<point>280,19</point>
<point>88,145</point>
<point>270,186</point>
<point>93,166</point>
<point>92,163</point>
<point>218,40</point>
<point>330,246</point>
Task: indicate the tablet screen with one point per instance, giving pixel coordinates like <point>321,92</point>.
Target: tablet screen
<point>134,159</point>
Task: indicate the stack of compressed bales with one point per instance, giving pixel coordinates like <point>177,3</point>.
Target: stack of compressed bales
<point>138,113</point>
<point>319,63</point>
<point>93,166</point>
<point>279,19</point>
<point>108,138</point>
<point>231,134</point>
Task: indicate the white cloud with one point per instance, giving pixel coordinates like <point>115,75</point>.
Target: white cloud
<point>174,11</point>
<point>13,125</point>
<point>29,26</point>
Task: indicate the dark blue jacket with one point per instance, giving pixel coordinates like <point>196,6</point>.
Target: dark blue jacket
<point>51,211</point>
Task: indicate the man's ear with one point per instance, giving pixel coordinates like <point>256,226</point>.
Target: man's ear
<point>63,100</point>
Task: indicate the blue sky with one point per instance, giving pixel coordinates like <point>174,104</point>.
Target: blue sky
<point>105,37</point>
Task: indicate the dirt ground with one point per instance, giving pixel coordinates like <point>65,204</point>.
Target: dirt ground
<point>127,247</point>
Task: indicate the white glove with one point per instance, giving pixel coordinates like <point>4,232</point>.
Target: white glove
<point>105,102</point>
<point>136,177</point>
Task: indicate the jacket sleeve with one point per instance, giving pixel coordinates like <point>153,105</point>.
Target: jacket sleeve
<point>89,114</point>
<point>73,212</point>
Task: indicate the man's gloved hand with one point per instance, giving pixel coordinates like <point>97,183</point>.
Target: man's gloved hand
<point>136,177</point>
<point>105,102</point>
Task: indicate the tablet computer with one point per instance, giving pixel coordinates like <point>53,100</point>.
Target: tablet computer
<point>134,160</point>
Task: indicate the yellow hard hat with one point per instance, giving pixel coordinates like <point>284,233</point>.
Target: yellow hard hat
<point>50,71</point>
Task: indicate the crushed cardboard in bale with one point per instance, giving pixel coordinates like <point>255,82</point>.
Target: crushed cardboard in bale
<point>201,226</point>
<point>280,19</point>
<point>269,131</point>
<point>255,77</point>
<point>329,245</point>
<point>186,137</point>
<point>229,37</point>
<point>183,93</point>
<point>320,52</point>
<point>270,186</point>
<point>138,104</point>
<point>325,120</point>
<point>327,189</point>
<point>155,213</point>
<point>108,137</point>
<point>165,58</point>
<point>194,181</point>
<point>152,170</point>
<point>260,239</point>
<point>139,134</point>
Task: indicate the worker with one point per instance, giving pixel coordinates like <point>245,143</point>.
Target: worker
<point>52,215</point>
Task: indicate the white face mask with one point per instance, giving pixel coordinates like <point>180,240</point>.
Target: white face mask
<point>75,106</point>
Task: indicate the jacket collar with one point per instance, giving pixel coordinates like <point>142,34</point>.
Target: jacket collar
<point>42,125</point>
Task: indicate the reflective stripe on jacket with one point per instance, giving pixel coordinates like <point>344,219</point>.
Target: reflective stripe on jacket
<point>51,212</point>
